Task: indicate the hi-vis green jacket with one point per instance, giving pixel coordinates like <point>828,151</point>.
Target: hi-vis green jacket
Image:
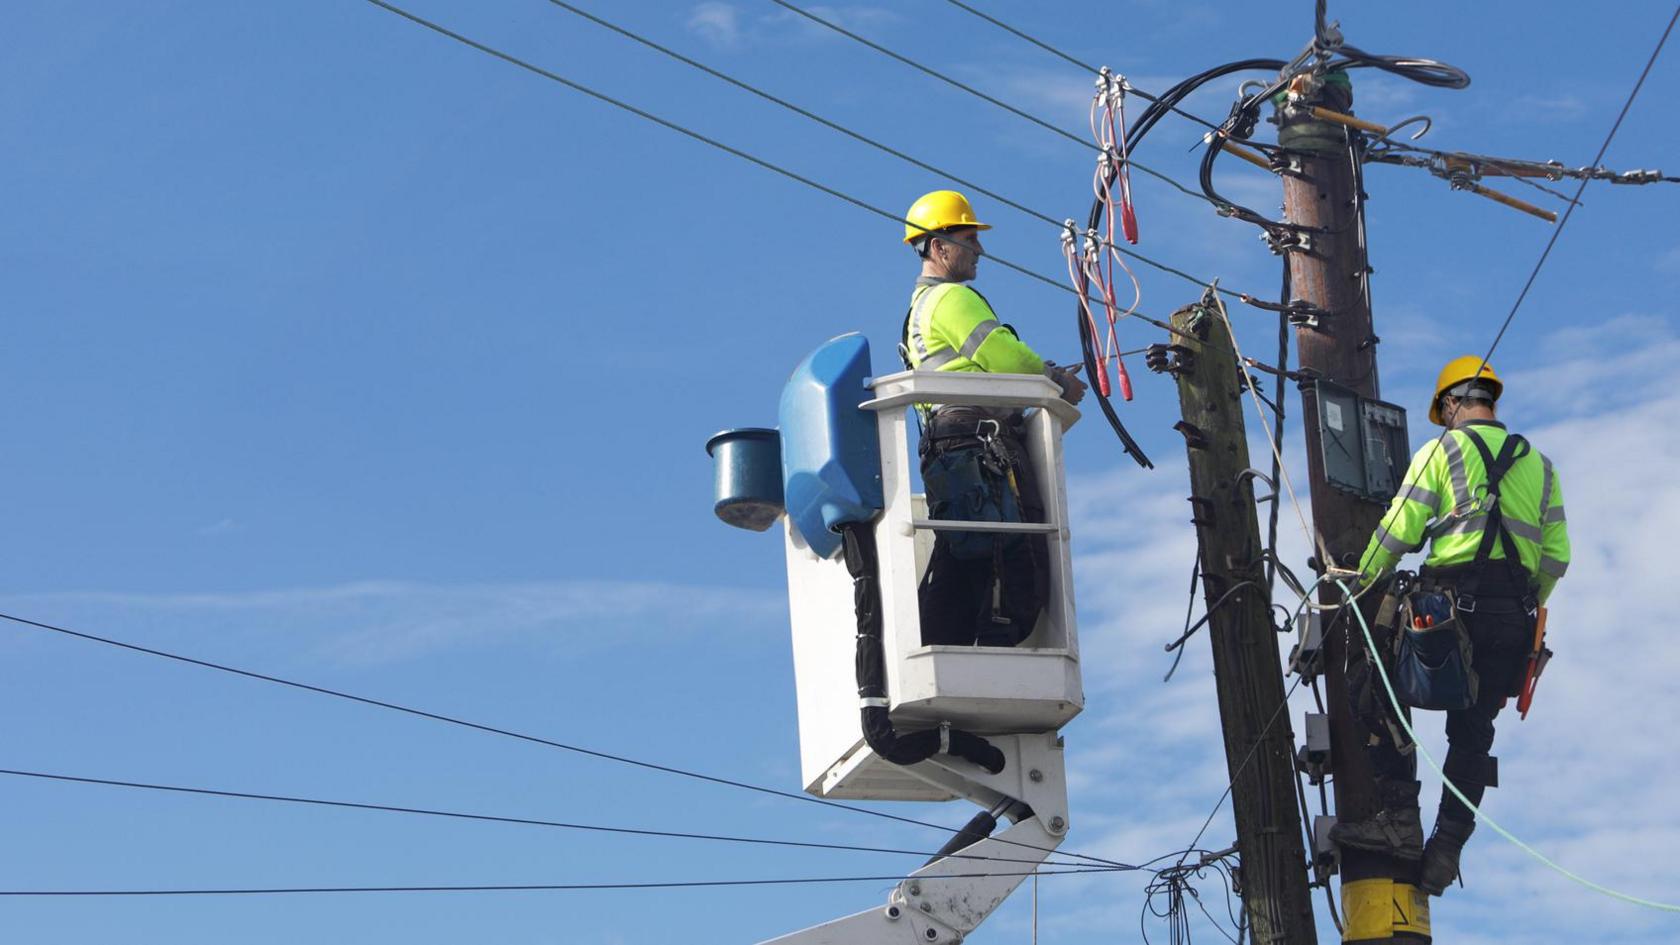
<point>951,327</point>
<point>1444,499</point>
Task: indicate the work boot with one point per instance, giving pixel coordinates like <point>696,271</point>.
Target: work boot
<point>1440,857</point>
<point>1396,830</point>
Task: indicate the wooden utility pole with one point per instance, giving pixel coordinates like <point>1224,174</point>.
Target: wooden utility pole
<point>1259,746</point>
<point>1335,341</point>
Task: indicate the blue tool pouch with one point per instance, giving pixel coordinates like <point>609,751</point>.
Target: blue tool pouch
<point>1432,664</point>
<point>963,486</point>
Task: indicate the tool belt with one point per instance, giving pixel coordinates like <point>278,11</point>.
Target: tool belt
<point>972,465</point>
<point>1432,655</point>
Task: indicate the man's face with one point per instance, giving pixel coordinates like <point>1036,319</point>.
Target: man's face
<point>959,251</point>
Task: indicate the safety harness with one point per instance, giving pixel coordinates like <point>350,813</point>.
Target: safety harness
<point>1514,448</point>
<point>972,465</point>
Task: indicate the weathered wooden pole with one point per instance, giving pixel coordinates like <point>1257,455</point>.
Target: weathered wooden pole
<point>1335,341</point>
<point>1248,676</point>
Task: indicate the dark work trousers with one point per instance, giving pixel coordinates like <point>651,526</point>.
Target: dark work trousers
<point>956,595</point>
<point>1501,634</point>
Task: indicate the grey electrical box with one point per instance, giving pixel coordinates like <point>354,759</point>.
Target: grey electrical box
<point>1304,658</point>
<point>1326,856</point>
<point>1364,443</point>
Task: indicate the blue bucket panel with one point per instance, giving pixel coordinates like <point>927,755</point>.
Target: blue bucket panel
<point>831,454</point>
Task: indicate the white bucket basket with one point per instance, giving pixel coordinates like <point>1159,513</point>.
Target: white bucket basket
<point>1030,688</point>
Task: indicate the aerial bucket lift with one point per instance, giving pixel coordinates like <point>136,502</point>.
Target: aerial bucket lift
<point>972,722</point>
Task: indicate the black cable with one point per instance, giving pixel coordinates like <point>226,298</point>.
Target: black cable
<point>528,887</point>
<point>508,733</point>
<point>490,818</point>
<point>1277,434</point>
<point>1189,631</point>
<point>1189,607</point>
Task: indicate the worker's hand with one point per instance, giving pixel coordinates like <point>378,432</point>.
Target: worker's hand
<point>1073,389</point>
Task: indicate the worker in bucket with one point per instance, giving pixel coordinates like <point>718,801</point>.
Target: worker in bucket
<point>1462,637</point>
<point>980,588</point>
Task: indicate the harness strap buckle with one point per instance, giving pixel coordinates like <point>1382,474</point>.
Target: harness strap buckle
<point>1466,603</point>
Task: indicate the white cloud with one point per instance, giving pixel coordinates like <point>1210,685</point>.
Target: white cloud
<point>1549,109</point>
<point>717,23</point>
<point>1669,262</point>
<point>725,27</point>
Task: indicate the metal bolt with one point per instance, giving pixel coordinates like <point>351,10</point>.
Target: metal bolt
<point>1057,823</point>
<point>892,912</point>
<point>931,935</point>
<point>926,907</point>
<point>1035,775</point>
<point>915,889</point>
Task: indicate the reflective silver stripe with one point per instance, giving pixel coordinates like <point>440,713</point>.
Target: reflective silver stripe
<point>937,360</point>
<point>1554,515</point>
<point>1477,522</point>
<point>1455,470</point>
<point>1392,543</point>
<point>1462,525</point>
<point>917,343</point>
<point>977,337</point>
<point>1417,493</point>
<point>1552,567</point>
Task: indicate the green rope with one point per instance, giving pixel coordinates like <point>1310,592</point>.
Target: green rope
<point>1401,715</point>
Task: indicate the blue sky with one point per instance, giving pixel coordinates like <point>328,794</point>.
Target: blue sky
<point>339,351</point>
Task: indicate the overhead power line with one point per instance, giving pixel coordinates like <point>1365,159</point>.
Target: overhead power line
<point>994,100</point>
<point>528,887</point>
<point>521,736</point>
<point>747,156</point>
<point>517,821</point>
<point>1081,64</point>
<point>895,152</point>
<point>835,126</point>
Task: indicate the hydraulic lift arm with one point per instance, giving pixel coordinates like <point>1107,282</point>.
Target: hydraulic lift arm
<point>947,899</point>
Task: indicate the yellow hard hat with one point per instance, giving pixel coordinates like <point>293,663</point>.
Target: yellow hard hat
<point>1457,371</point>
<point>937,211</point>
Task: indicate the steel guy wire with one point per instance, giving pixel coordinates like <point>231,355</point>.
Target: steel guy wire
<point>1400,714</point>
<point>737,152</point>
<point>531,887</point>
<point>954,83</point>
<point>871,142</point>
<point>1564,220</point>
<point>524,737</point>
<point>1570,211</point>
<point>492,818</point>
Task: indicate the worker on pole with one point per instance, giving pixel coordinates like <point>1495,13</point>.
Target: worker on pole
<point>979,588</point>
<point>1492,508</point>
